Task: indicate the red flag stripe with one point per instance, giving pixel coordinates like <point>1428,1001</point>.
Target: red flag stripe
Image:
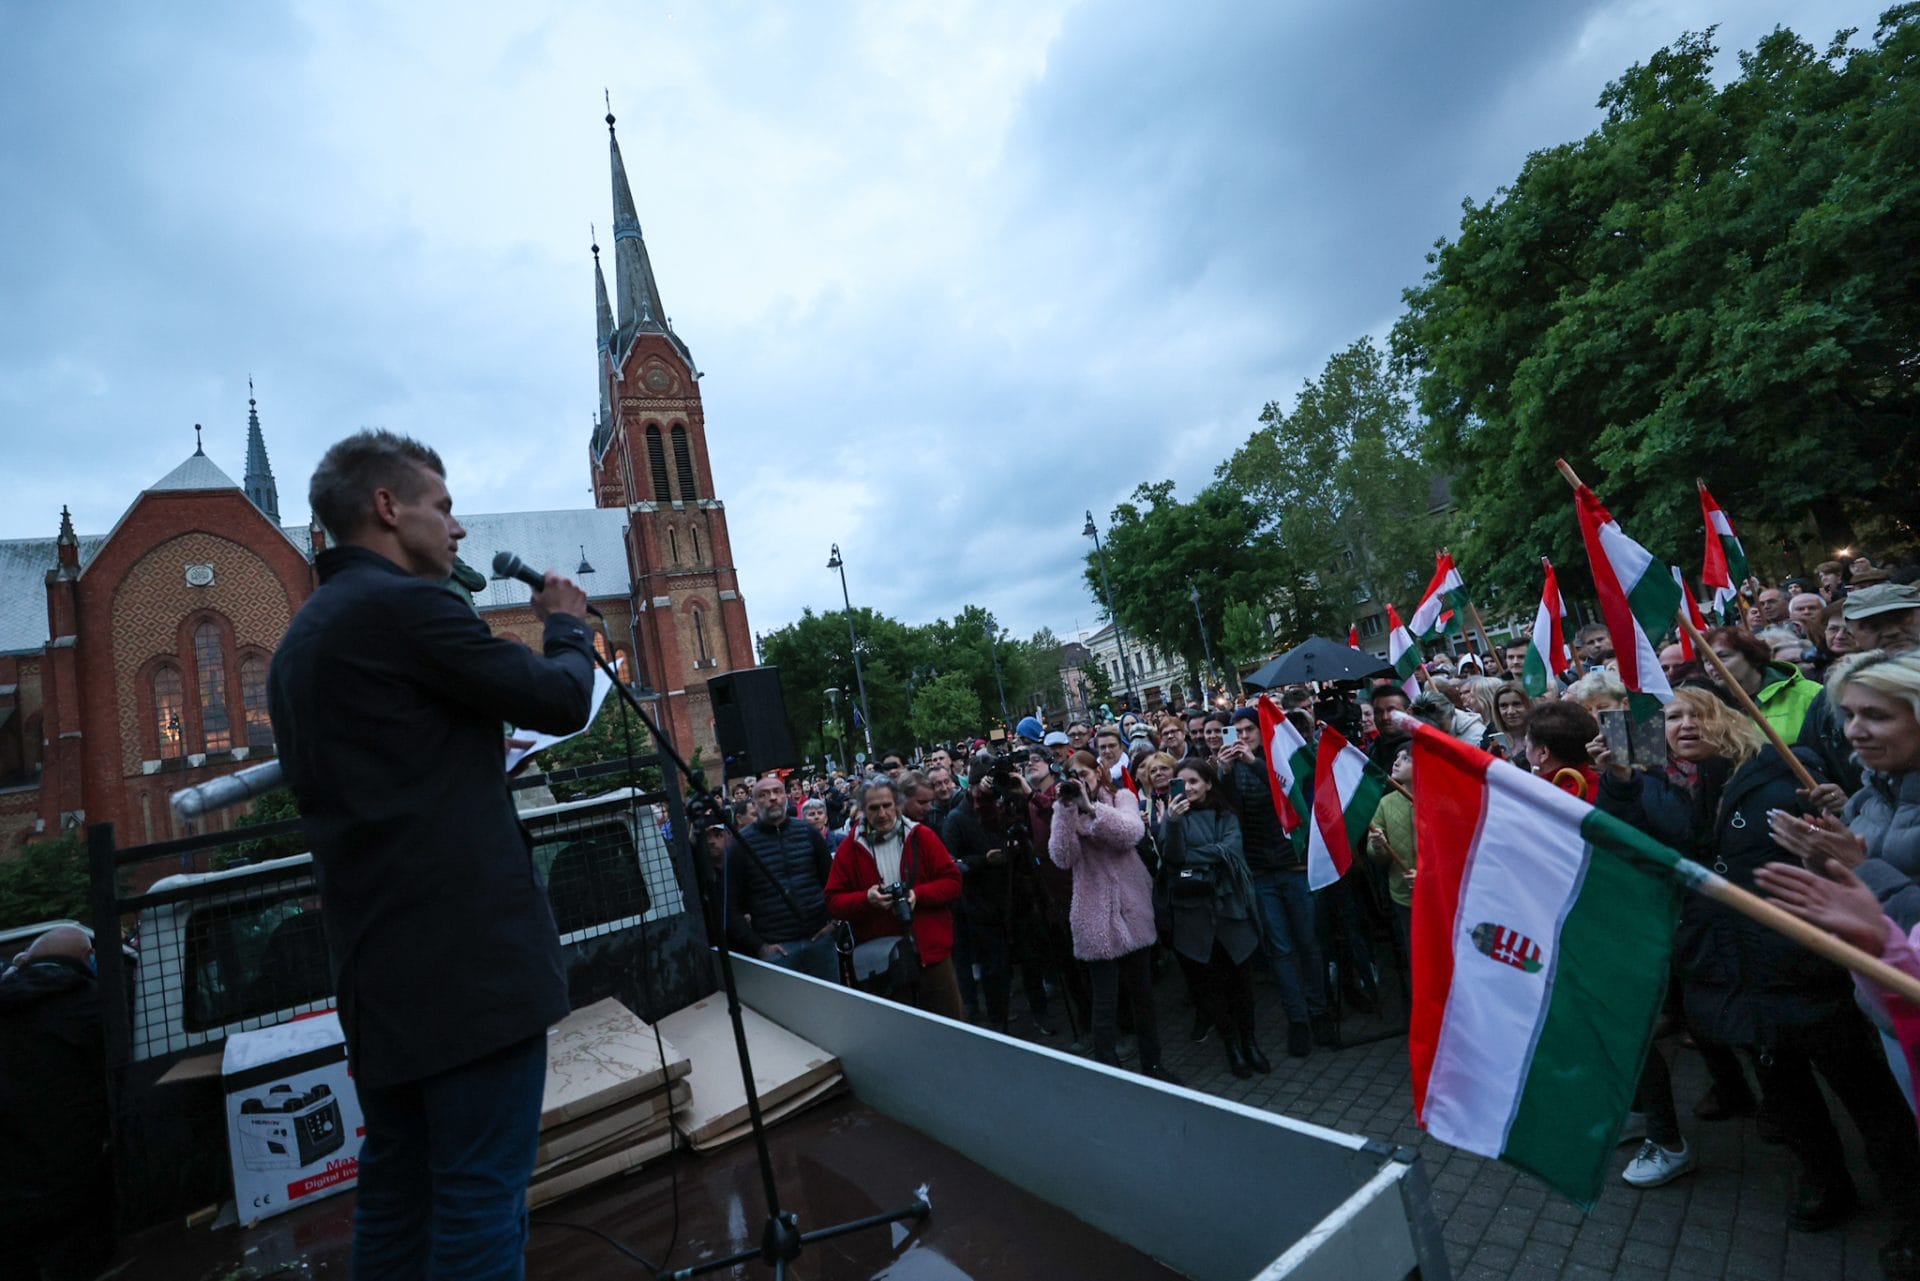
<point>1270,714</point>
<point>1615,609</point>
<point>1450,779</point>
<point>1327,814</point>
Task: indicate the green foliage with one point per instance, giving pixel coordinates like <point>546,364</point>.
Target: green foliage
<point>1099,689</point>
<point>946,708</point>
<point>274,807</point>
<point>1243,638</point>
<point>47,881</point>
<point>1219,543</point>
<point>1340,481</point>
<point>1717,283</point>
<point>606,739</point>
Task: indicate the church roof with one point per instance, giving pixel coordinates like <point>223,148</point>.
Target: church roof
<point>24,563</point>
<point>550,540</point>
<point>198,472</point>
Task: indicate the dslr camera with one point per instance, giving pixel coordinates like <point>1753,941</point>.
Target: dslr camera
<point>902,908</point>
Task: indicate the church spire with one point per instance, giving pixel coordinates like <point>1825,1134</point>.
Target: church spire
<point>603,342</point>
<point>638,296</point>
<point>261,491</point>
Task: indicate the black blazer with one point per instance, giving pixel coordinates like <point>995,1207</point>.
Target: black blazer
<point>388,697</point>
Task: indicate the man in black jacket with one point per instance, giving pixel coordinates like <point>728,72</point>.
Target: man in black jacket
<point>56,1207</point>
<point>762,920</point>
<point>998,894</point>
<point>387,697</point>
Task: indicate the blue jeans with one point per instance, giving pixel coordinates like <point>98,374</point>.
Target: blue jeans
<point>444,1170</point>
<point>1292,945</point>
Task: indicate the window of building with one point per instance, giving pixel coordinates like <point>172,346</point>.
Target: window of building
<point>657,463</point>
<point>253,701</point>
<point>673,544</point>
<point>169,712</point>
<point>683,461</point>
<point>210,666</point>
<point>695,531</point>
<point>1372,625</point>
<point>700,634</point>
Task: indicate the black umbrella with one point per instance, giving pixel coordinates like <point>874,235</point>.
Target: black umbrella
<point>1319,659</point>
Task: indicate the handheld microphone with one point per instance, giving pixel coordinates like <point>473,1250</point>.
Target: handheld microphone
<point>228,789</point>
<point>507,565</point>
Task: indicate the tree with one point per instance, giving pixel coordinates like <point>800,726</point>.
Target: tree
<point>46,881</point>
<point>946,708</point>
<point>1243,638</point>
<point>1715,283</point>
<point>1341,483</point>
<point>276,806</point>
<point>1218,543</point>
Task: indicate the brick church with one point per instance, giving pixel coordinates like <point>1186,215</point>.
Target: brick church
<point>133,663</point>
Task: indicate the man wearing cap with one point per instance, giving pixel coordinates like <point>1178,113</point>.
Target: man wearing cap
<point>1883,616</point>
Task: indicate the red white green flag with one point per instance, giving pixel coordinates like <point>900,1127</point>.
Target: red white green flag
<point>1547,652</point>
<point>1403,654</point>
<point>1353,636</point>
<point>1441,604</point>
<point>1726,560</point>
<point>1694,616</point>
<point>1638,597</point>
<point>1289,767</point>
<point>1541,934</point>
<point>1347,788</point>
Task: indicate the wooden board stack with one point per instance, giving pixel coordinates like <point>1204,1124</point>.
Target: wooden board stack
<point>788,1072</point>
<point>609,1099</point>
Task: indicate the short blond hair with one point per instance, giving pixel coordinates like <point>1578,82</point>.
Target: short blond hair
<point>1895,676</point>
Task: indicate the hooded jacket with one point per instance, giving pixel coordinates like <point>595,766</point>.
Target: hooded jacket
<point>925,866</point>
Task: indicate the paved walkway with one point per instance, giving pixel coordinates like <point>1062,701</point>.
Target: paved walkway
<point>1727,1219</point>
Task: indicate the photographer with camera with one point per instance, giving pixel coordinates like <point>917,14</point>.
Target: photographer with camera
<point>1097,840</point>
<point>892,878</point>
<point>990,836</point>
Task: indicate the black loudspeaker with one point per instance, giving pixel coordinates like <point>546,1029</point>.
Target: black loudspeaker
<point>750,720</point>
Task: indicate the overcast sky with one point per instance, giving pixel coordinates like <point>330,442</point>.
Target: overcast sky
<point>955,271</point>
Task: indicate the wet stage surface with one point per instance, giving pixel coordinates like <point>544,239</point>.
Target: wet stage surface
<point>838,1161</point>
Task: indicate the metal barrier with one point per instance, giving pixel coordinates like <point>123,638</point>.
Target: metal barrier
<point>229,940</point>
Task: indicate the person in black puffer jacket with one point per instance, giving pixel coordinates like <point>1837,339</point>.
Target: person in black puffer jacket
<point>775,922</point>
<point>1745,985</point>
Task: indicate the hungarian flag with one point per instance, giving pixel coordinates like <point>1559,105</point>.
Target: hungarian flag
<point>1347,788</point>
<point>1440,606</point>
<point>1547,652</point>
<point>1726,561</point>
<point>1353,636</point>
<point>1289,767</point>
<point>1541,933</point>
<point>1403,654</point>
<point>1638,597</point>
<point>1694,616</point>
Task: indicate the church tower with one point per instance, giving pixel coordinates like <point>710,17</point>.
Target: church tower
<point>648,454</point>
<point>259,486</point>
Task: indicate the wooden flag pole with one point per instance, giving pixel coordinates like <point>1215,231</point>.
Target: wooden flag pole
<point>1705,650</point>
<point>1473,612</point>
<point>1811,937</point>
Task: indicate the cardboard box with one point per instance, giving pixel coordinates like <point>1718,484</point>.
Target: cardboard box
<point>293,1120</point>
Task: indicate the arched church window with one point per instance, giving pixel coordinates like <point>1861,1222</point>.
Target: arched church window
<point>673,544</point>
<point>210,667</point>
<point>169,712</point>
<point>695,531</point>
<point>700,634</point>
<point>683,462</point>
<point>253,701</point>
<point>657,463</point>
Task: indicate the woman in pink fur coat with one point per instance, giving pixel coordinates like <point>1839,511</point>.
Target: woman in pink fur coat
<point>1112,911</point>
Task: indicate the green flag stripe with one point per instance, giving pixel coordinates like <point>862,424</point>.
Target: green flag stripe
<point>1654,600</point>
<point>1609,977</point>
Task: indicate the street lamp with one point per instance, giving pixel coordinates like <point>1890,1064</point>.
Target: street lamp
<point>1205,644</point>
<point>853,644</point>
<point>994,646</point>
<point>1126,665</point>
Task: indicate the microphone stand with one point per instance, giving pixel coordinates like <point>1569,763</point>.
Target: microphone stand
<point>781,1241</point>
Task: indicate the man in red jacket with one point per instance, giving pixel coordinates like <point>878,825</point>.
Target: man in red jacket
<point>890,848</point>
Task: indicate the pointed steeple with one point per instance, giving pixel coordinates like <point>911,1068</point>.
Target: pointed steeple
<point>67,545</point>
<point>603,343</point>
<point>639,297</point>
<point>261,491</point>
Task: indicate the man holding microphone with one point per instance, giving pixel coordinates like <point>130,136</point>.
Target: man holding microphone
<point>387,696</point>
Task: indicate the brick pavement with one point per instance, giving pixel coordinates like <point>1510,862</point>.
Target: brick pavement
<point>1727,1219</point>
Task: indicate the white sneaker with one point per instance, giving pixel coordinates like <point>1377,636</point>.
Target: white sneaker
<point>1633,1130</point>
<point>1654,1165</point>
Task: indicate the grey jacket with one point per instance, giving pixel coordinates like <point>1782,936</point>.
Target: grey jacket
<point>1886,811</point>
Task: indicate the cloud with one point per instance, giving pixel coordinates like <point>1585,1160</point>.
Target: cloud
<point>956,272</point>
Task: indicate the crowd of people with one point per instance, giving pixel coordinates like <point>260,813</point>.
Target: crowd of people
<point>1093,859</point>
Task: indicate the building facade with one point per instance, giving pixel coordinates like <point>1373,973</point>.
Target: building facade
<point>133,663</point>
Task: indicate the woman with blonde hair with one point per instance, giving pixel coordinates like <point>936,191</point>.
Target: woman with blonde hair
<point>1742,984</point>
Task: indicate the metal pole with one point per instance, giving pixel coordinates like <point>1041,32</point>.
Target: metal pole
<point>994,647</point>
<point>1106,583</point>
<point>1205,644</point>
<point>853,644</point>
<point>833,692</point>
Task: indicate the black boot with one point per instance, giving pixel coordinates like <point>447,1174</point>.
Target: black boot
<point>1236,1057</point>
<point>1250,1049</point>
<point>1324,1031</point>
<point>1299,1040</point>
